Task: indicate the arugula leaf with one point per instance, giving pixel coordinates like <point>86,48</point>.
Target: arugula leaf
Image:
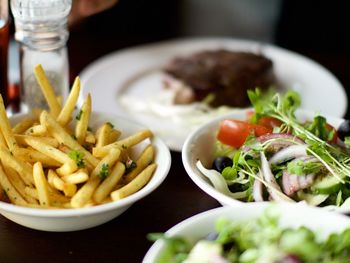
<point>78,157</point>
<point>347,141</point>
<point>319,128</point>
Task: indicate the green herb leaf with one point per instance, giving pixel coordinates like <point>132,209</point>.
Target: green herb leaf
<point>78,157</point>
<point>110,124</point>
<point>130,165</point>
<point>319,128</point>
<point>104,171</point>
<point>79,115</point>
<point>300,167</point>
<point>347,141</point>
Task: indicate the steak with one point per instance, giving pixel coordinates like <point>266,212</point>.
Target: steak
<point>227,75</point>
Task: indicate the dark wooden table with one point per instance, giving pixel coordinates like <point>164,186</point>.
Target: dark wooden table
<point>124,238</point>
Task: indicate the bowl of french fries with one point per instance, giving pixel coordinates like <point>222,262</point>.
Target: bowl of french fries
<point>67,169</point>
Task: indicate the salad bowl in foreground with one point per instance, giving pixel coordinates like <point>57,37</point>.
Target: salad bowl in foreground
<point>257,236</point>
<point>60,220</point>
<point>200,151</point>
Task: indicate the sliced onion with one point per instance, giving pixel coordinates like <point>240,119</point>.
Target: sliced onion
<point>285,138</point>
<point>292,183</point>
<point>219,182</point>
<point>288,153</point>
<point>258,189</point>
<point>272,187</point>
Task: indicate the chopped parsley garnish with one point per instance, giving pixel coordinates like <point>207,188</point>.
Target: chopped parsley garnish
<point>104,171</point>
<point>130,165</point>
<point>110,124</point>
<point>79,115</point>
<point>78,157</point>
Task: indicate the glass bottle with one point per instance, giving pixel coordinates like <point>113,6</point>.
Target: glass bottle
<point>4,43</point>
<point>41,30</point>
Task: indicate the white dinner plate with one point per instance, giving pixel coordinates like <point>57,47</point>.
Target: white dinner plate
<point>129,83</point>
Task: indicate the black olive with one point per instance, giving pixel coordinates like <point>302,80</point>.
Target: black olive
<point>212,236</point>
<point>344,130</point>
<point>220,163</point>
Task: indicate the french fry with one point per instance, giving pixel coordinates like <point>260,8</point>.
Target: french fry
<point>144,160</point>
<point>140,181</point>
<point>104,189</point>
<point>47,90</point>
<point>60,101</point>
<point>54,180</point>
<point>90,138</point>
<point>113,136</point>
<point>18,183</point>
<point>66,113</point>
<point>123,144</point>
<point>11,191</point>
<point>85,193</point>
<point>23,125</point>
<point>106,134</point>
<point>55,198</point>
<point>36,112</point>
<point>68,167</point>
<point>83,120</point>
<point>63,137</point>
<point>41,184</point>
<point>20,138</point>
<point>22,168</point>
<point>80,176</point>
<point>69,189</point>
<point>5,127</point>
<point>32,192</point>
<point>32,156</point>
<point>2,140</point>
<point>37,130</point>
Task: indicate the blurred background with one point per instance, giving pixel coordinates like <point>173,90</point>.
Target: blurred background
<point>316,29</point>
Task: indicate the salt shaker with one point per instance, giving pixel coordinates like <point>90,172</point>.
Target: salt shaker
<point>41,30</point>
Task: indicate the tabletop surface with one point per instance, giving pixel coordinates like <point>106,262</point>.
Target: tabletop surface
<point>124,238</point>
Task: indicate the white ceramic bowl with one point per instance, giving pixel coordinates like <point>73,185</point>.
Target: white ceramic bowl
<point>291,215</point>
<point>200,144</point>
<point>83,218</point>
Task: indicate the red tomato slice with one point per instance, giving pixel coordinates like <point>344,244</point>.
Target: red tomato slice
<point>235,132</point>
<point>269,122</point>
<point>335,137</point>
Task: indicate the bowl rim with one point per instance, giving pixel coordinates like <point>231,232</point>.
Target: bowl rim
<point>203,184</point>
<point>158,177</point>
<point>255,209</point>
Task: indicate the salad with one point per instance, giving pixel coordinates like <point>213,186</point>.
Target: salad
<point>262,240</point>
<point>274,156</point>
